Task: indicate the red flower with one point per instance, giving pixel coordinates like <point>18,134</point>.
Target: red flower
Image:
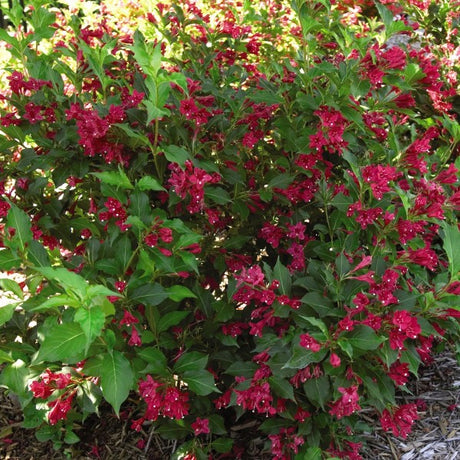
<point>399,372</point>
<point>401,421</point>
<point>200,426</point>
<point>347,404</point>
<point>334,360</point>
<point>308,342</point>
<point>59,408</point>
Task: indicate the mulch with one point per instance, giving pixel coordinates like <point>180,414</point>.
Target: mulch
<point>435,436</point>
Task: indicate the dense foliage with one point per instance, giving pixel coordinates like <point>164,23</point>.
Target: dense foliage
<point>231,211</point>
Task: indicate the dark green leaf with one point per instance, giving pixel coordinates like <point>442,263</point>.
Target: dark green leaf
<point>282,274</point>
<point>363,337</point>
<point>281,387</point>
<point>200,382</point>
<point>170,319</point>
<point>318,390</point>
<point>149,294</point>
<point>191,361</point>
<point>302,357</point>
<point>218,195</point>
<point>155,359</point>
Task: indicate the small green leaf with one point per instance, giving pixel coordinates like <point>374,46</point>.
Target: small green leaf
<point>191,361</point>
<point>200,382</point>
<point>116,378</point>
<point>170,319</point>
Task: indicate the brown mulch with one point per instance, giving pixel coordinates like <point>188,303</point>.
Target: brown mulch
<point>435,436</point>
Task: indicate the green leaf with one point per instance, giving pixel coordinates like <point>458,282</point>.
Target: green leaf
<point>116,178</point>
<point>116,378</point>
<point>242,368</point>
<point>6,312</point>
<point>318,390</point>
<point>282,274</point>
<point>7,284</point>
<point>363,337</point>
<point>64,342</point>
<point>149,183</point>
<point>178,293</point>
<point>191,361</point>
<point>321,304</point>
<point>92,321</point>
<point>8,261</point>
<point>302,357</point>
<point>268,97</point>
<point>318,323</point>
<point>170,319</point>
<point>176,154</point>
<point>313,453</point>
<point>281,387</point>
<point>149,294</point>
<point>97,290</point>
<point>15,377</point>
<point>200,382</point>
<point>218,195</point>
<point>20,221</point>
<point>123,252</point>
<point>451,240</point>
<point>56,301</point>
<point>342,265</point>
<point>222,445</point>
<point>156,360</point>
<point>281,181</point>
<point>70,281</point>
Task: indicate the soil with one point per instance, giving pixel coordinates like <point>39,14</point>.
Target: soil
<point>435,436</point>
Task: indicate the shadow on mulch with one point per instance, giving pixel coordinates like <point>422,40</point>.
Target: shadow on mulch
<point>435,436</point>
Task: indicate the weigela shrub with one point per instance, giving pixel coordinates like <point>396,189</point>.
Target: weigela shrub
<point>244,213</point>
